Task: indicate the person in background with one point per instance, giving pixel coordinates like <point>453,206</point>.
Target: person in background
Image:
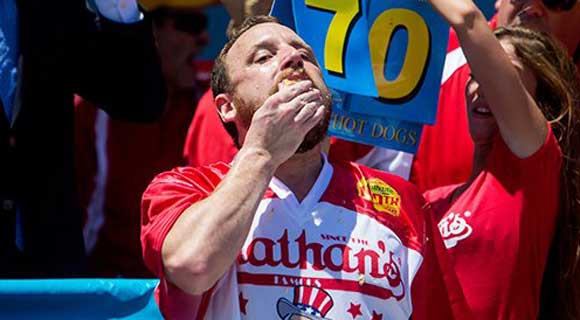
<point>437,162</point>
<point>50,50</point>
<point>116,160</point>
<point>558,18</point>
<point>523,109</point>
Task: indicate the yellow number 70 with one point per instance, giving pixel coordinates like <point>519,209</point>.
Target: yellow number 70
<point>379,39</point>
<point>346,12</point>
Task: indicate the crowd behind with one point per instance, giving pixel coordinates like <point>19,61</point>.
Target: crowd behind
<point>74,169</point>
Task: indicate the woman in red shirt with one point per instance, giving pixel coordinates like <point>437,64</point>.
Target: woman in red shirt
<point>497,228</point>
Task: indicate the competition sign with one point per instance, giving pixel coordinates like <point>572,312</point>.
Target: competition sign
<point>383,59</point>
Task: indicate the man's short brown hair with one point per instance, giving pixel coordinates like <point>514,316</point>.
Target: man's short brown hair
<point>220,82</point>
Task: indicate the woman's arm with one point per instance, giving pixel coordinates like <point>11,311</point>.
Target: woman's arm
<point>521,123</point>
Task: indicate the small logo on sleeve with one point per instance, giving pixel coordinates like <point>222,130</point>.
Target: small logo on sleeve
<point>454,228</point>
<point>384,197</point>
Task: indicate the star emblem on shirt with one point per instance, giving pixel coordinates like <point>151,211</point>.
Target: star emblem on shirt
<point>354,310</point>
<point>377,316</point>
<point>243,303</point>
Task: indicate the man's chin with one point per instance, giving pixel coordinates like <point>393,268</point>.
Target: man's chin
<point>314,137</point>
<point>310,142</point>
<point>307,146</point>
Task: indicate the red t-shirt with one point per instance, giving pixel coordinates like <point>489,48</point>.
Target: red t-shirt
<point>207,140</point>
<point>498,232</point>
<point>375,219</point>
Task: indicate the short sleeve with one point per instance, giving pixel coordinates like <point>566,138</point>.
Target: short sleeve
<point>548,157</point>
<point>166,198</point>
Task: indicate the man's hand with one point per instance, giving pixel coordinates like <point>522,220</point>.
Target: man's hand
<point>281,123</point>
<point>201,247</point>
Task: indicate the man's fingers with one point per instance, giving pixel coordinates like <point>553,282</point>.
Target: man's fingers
<point>306,112</point>
<point>286,94</point>
<point>301,100</point>
<point>319,113</point>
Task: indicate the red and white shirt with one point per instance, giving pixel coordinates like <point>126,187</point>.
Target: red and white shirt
<point>349,250</point>
<point>498,231</point>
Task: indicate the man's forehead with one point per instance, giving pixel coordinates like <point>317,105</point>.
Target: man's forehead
<point>265,32</point>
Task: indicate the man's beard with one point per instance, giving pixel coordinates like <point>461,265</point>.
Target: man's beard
<point>246,110</point>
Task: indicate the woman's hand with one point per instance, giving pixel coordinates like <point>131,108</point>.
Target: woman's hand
<point>458,13</point>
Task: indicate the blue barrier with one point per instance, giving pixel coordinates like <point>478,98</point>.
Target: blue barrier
<point>78,299</point>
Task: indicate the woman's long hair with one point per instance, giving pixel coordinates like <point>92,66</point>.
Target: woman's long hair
<point>558,96</point>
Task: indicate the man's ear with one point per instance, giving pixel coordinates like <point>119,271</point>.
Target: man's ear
<point>225,107</point>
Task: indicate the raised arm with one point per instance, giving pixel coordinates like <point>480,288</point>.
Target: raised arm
<point>206,239</point>
<point>520,121</point>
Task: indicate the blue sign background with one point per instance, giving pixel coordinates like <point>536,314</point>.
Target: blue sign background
<point>312,25</point>
<point>422,106</point>
<point>388,133</point>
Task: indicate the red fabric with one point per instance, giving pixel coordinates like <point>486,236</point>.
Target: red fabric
<point>203,72</point>
<point>498,232</point>
<point>134,154</point>
<point>207,140</point>
<point>168,195</point>
<point>344,150</point>
<point>446,150</point>
<point>437,293</point>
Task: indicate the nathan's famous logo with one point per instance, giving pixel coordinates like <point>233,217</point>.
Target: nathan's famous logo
<point>384,197</point>
<point>381,264</point>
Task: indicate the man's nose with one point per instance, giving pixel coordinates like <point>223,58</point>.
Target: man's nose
<point>292,60</point>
